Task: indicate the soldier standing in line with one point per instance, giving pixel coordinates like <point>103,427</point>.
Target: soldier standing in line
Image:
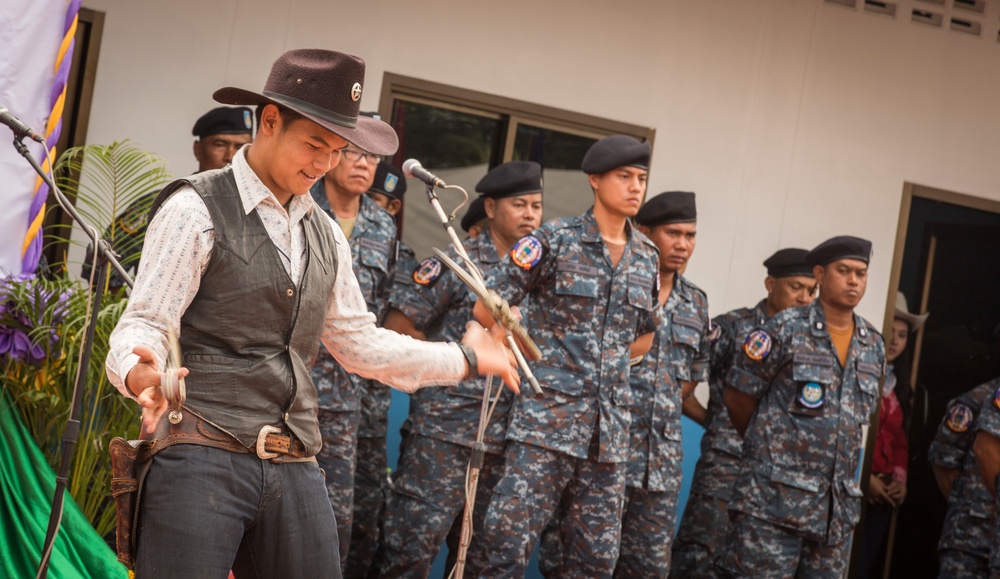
<point>987,452</point>
<point>661,381</point>
<point>428,493</point>
<point>967,534</point>
<point>371,234</point>
<point>371,480</point>
<point>592,282</point>
<point>703,528</point>
<point>805,385</point>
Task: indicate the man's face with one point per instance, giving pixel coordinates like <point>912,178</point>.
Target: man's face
<point>217,151</point>
<point>515,217</point>
<point>620,191</point>
<point>676,243</point>
<point>297,154</point>
<point>353,178</point>
<point>385,202</point>
<point>842,283</point>
<point>787,292</point>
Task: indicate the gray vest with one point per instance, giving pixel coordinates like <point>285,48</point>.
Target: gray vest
<point>250,336</point>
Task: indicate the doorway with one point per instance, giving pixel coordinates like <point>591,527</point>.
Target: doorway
<point>947,263</point>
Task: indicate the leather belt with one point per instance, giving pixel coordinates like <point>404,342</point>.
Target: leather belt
<point>272,443</point>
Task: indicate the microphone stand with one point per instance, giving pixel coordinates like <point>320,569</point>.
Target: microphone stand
<point>473,278</point>
<point>102,257</point>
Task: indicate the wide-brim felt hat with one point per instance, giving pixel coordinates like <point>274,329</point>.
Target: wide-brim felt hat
<point>325,87</point>
<point>915,321</point>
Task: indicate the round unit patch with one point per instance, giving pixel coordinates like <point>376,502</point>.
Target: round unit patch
<point>428,271</point>
<point>757,345</point>
<point>996,398</point>
<point>811,395</point>
<point>959,418</point>
<point>527,252</point>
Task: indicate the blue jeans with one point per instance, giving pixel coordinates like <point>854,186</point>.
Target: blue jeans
<point>205,511</point>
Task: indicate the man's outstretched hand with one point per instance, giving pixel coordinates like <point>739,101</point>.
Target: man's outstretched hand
<point>492,354</point>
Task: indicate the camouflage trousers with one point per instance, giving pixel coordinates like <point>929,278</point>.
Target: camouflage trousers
<point>953,564</point>
<point>370,487</point>
<point>338,459</point>
<point>648,524</point>
<point>700,537</point>
<point>756,548</point>
<point>534,482</point>
<point>426,504</point>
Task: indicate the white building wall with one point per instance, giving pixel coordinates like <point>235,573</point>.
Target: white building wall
<point>793,120</point>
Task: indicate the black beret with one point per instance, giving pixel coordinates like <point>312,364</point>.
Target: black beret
<point>224,121</point>
<point>475,213</point>
<point>788,262</point>
<point>388,181</point>
<point>840,247</point>
<point>613,152</point>
<point>511,179</point>
<point>669,207</point>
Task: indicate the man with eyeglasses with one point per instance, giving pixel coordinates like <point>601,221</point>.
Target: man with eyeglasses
<point>371,234</point>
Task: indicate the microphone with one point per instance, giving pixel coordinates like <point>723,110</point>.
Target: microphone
<point>412,168</point>
<point>20,129</point>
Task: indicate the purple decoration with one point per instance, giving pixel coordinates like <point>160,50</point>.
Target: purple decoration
<point>33,253</point>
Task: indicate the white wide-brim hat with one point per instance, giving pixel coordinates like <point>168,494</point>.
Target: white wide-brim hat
<point>916,321</point>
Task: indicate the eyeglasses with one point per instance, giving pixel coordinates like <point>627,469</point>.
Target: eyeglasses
<point>354,155</point>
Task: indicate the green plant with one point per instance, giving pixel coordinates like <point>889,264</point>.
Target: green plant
<point>109,182</point>
<point>43,323</point>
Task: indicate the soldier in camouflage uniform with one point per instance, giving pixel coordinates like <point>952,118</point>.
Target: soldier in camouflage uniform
<point>967,534</point>
<point>805,385</point>
<point>661,381</point>
<point>987,452</point>
<point>345,399</point>
<point>371,480</point>
<point>592,282</point>
<point>428,494</point>
<point>703,528</point>
<point>220,133</point>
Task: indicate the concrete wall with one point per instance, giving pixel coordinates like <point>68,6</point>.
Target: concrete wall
<point>793,120</point>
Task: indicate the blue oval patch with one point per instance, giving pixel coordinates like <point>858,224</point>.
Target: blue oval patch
<point>757,345</point>
<point>427,271</point>
<point>527,252</point>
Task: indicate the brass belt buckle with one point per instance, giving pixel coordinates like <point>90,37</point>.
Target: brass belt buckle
<point>262,440</point>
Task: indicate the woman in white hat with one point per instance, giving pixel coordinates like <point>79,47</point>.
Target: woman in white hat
<point>887,481</point>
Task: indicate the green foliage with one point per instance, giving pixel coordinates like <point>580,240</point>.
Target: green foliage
<point>106,180</point>
<point>43,324</point>
<point>54,314</point>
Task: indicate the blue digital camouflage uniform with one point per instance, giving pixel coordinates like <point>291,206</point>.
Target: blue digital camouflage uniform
<point>967,533</point>
<point>705,523</point>
<point>573,439</point>
<point>341,411</point>
<point>428,492</point>
<point>680,353</point>
<point>797,498</point>
<point>989,422</point>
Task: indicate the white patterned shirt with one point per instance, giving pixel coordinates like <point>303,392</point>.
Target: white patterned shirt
<point>177,250</point>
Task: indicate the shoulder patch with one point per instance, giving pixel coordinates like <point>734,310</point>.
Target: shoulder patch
<point>132,221</point>
<point>757,346</point>
<point>996,398</point>
<point>960,417</point>
<point>427,271</point>
<point>527,252</point>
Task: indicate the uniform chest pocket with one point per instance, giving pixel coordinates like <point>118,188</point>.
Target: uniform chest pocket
<point>374,255</point>
<point>814,379</point>
<point>640,291</point>
<point>685,337</point>
<point>577,280</point>
<point>868,377</point>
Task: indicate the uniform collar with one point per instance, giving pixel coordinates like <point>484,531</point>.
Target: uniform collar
<point>760,312</point>
<point>817,324</point>
<point>365,209</point>
<point>591,232</point>
<point>485,246</point>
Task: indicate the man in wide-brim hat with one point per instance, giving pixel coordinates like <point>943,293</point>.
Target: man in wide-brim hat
<point>242,267</point>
